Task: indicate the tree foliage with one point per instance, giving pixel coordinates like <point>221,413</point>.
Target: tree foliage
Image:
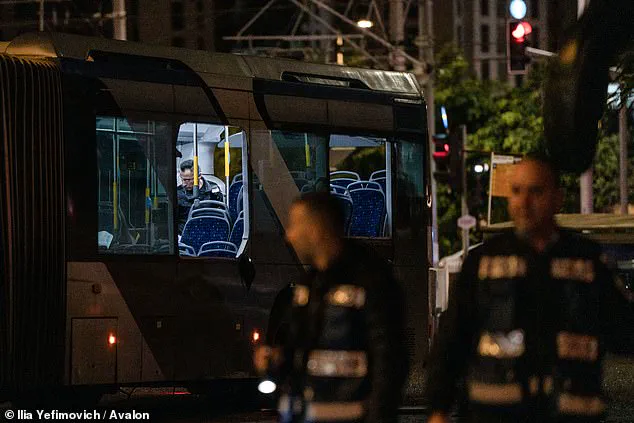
<point>509,120</point>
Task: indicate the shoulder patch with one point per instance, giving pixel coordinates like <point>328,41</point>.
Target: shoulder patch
<point>301,294</point>
<point>578,269</point>
<point>501,267</point>
<point>346,296</point>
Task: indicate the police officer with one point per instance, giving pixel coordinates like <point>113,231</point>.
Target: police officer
<point>345,359</point>
<point>530,318</point>
<point>185,192</point>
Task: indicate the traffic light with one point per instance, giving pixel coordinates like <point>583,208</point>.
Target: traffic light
<point>448,151</point>
<point>441,157</point>
<point>517,40</point>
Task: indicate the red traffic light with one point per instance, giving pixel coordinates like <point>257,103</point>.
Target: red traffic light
<point>442,150</point>
<point>521,30</point>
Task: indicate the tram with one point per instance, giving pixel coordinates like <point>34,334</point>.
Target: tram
<point>109,279</point>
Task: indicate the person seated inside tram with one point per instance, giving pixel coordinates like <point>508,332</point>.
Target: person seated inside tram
<point>185,192</point>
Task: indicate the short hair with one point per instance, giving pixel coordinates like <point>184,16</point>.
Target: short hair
<point>324,207</point>
<point>546,161</point>
<point>188,165</point>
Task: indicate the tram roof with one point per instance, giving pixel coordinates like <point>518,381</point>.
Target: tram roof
<point>60,45</point>
<point>603,227</point>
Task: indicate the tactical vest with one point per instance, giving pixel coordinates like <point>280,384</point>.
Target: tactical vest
<point>334,366</point>
<point>516,369</point>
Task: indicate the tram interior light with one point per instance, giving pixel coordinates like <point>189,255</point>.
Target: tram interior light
<point>256,336</point>
<point>112,339</point>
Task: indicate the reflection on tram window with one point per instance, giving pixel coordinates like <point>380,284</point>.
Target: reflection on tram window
<point>211,184</point>
<point>305,156</point>
<point>410,186</point>
<point>360,178</point>
<point>134,186</point>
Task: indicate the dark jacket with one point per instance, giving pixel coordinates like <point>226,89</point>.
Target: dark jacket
<point>207,191</point>
<point>346,358</point>
<point>527,331</point>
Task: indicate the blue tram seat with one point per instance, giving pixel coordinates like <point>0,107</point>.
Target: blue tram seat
<point>347,206</point>
<point>381,181</point>
<point>342,182</point>
<point>208,204</point>
<point>237,232</point>
<point>336,189</point>
<point>199,230</point>
<point>218,249</point>
<point>234,191</point>
<point>378,174</point>
<point>186,250</point>
<point>368,213</point>
<point>208,212</point>
<point>337,174</point>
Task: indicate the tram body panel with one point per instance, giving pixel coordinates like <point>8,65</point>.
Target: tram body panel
<point>181,318</point>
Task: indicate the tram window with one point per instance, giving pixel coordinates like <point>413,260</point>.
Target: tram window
<point>410,185</point>
<point>305,156</point>
<point>361,177</point>
<point>213,220</point>
<point>134,206</point>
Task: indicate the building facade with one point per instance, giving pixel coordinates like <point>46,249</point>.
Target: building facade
<point>479,28</point>
<point>178,23</point>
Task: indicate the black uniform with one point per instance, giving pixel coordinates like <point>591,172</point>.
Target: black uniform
<point>207,191</point>
<point>527,331</point>
<point>346,359</point>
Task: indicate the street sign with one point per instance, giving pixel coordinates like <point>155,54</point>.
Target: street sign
<point>466,222</point>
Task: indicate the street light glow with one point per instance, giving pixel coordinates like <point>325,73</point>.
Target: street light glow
<point>518,9</point>
<point>365,23</point>
<point>478,168</point>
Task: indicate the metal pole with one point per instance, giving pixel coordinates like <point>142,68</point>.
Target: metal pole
<point>426,55</point>
<point>397,34</point>
<point>465,210</point>
<point>120,21</point>
<point>623,154</point>
<point>585,181</point>
<point>41,15</point>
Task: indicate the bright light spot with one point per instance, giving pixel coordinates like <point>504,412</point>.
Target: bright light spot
<point>518,9</point>
<point>521,30</point>
<point>256,336</point>
<point>112,339</point>
<point>365,23</point>
<point>445,119</point>
<point>267,386</point>
<point>486,167</point>
<point>478,168</point>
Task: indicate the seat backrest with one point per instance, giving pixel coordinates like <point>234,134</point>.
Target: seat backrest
<point>218,245</point>
<point>344,174</point>
<point>336,189</point>
<point>342,182</point>
<point>199,230</point>
<point>186,250</point>
<point>234,191</point>
<point>218,249</point>
<point>378,174</point>
<point>217,253</point>
<point>208,212</point>
<point>381,181</point>
<point>237,232</point>
<point>368,213</point>
<point>364,184</point>
<point>347,206</point>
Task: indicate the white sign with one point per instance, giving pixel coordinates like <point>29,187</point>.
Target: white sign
<point>466,222</point>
